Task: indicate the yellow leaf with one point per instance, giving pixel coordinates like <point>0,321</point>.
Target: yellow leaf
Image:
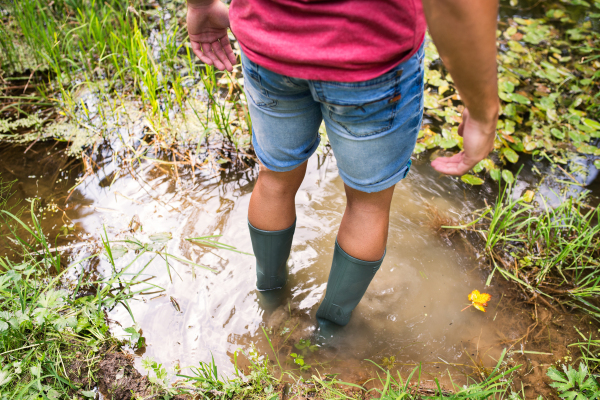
<point>479,300</point>
<point>479,307</point>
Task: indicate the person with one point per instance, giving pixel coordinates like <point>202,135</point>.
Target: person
<point>357,65</point>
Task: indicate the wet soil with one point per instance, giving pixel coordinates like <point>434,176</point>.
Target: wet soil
<point>119,380</point>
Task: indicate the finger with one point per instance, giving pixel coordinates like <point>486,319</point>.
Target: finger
<point>461,128</point>
<point>207,49</point>
<point>218,50</point>
<point>228,49</point>
<point>465,117</point>
<point>454,159</point>
<point>451,168</point>
<point>197,49</point>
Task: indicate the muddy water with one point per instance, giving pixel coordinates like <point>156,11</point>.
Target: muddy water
<point>412,310</point>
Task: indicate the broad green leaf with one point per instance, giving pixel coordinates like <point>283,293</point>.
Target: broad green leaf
<point>528,196</point>
<point>510,155</point>
<point>595,125</point>
<point>495,174</point>
<point>161,237</point>
<point>518,98</point>
<point>531,146</point>
<point>478,167</point>
<point>508,176</point>
<point>471,179</point>
<point>448,143</point>
<point>419,148</point>
<point>597,164</point>
<point>118,251</point>
<point>88,393</point>
<point>587,149</point>
<point>557,133</point>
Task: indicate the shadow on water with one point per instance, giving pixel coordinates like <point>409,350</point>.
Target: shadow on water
<point>411,313</point>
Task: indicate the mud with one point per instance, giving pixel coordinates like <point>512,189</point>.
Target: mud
<point>119,380</point>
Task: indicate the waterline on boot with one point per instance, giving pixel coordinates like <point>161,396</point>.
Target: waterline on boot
<point>348,281</point>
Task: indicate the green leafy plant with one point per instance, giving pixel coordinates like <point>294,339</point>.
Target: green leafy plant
<point>573,384</point>
<point>135,339</point>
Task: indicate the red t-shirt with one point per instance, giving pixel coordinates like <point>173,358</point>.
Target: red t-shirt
<point>332,40</point>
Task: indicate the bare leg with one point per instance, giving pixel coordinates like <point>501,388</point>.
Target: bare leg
<point>364,228</point>
<point>272,204</point>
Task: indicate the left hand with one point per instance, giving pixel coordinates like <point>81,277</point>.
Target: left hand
<point>207,26</point>
<point>478,142</point>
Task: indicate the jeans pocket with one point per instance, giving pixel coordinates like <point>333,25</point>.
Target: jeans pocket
<point>363,111</point>
<point>256,93</point>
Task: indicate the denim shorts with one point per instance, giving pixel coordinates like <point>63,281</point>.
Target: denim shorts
<point>372,125</point>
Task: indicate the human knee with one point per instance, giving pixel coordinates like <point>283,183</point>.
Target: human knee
<point>281,184</point>
<point>372,203</point>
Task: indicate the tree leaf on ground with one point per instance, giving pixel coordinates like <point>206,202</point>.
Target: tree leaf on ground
<point>479,300</point>
<point>471,179</point>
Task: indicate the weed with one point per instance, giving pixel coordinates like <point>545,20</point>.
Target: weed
<point>574,384</point>
<point>551,252</point>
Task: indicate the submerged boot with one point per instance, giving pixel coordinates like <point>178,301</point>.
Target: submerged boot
<point>272,249</point>
<point>348,281</point>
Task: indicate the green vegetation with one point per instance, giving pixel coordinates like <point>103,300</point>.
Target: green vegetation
<point>50,335</point>
<point>549,84</point>
<point>106,65</point>
<point>574,384</point>
<point>552,253</point>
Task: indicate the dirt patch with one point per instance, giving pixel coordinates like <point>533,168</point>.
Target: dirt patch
<point>78,370</point>
<point>119,380</point>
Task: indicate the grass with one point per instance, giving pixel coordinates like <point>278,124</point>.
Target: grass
<point>50,337</point>
<point>552,253</point>
<point>98,61</point>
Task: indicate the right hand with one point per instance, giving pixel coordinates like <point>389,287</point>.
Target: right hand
<point>207,26</point>
<point>478,142</point>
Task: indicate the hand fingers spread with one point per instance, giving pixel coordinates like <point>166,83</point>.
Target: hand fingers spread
<point>207,50</point>
<point>218,50</point>
<point>197,49</point>
<point>228,50</point>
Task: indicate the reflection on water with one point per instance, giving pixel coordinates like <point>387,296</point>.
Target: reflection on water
<point>412,310</point>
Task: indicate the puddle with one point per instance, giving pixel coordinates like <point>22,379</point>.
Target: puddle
<point>412,310</point>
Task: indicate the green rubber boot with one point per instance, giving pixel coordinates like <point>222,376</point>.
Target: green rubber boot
<point>271,249</point>
<point>348,281</point>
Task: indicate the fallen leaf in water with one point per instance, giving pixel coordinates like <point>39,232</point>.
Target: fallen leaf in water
<point>528,196</point>
<point>479,300</point>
